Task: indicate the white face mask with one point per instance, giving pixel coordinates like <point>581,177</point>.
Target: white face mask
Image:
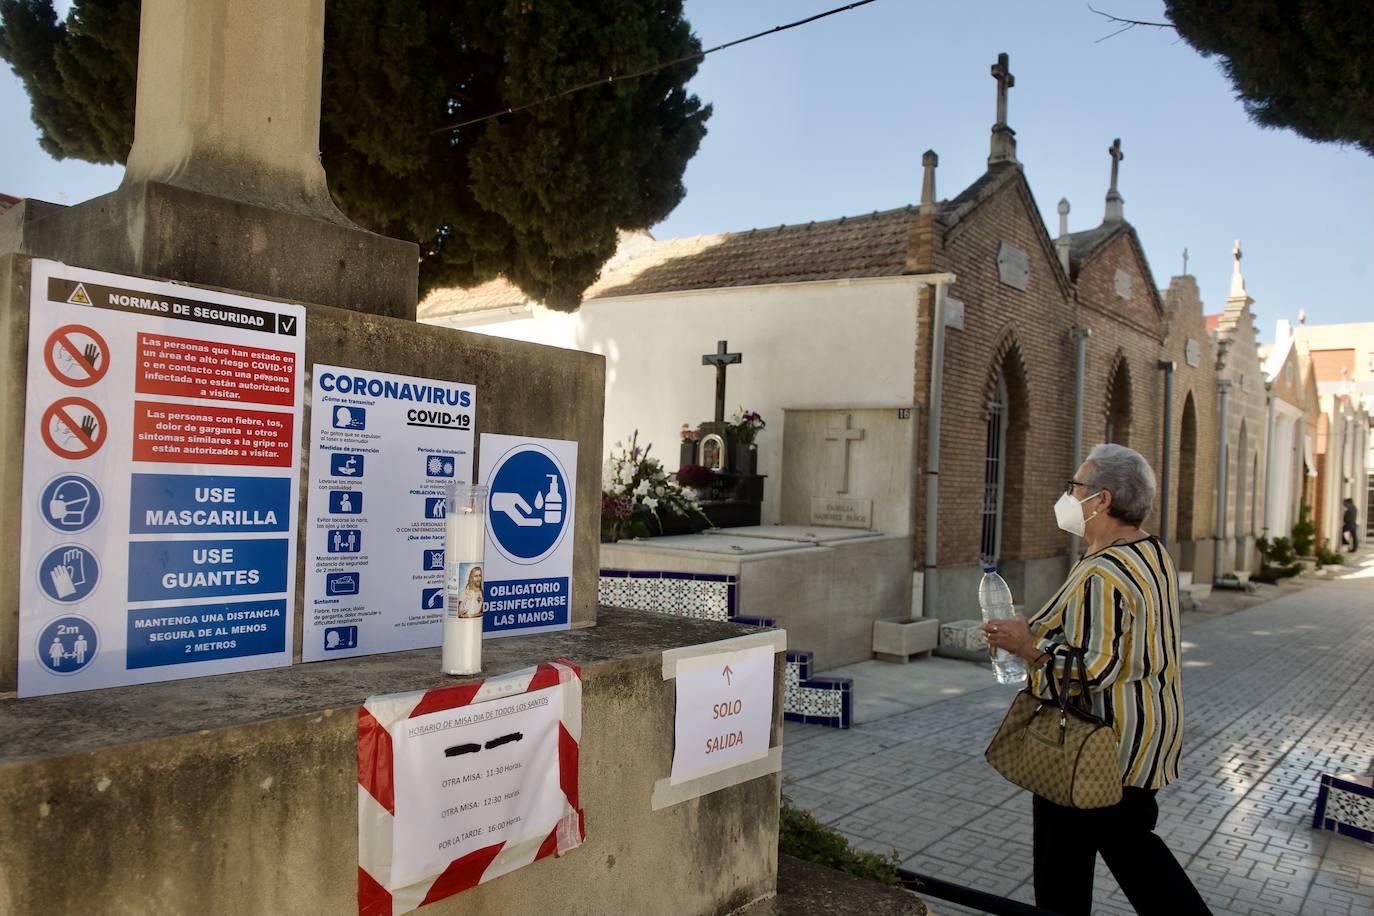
<point>1069,515</point>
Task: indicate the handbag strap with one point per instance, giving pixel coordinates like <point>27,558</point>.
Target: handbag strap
<point>1060,695</point>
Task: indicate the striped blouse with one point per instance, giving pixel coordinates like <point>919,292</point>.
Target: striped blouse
<point>1120,605</point>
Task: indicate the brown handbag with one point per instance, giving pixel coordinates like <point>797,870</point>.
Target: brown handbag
<point>1056,747</point>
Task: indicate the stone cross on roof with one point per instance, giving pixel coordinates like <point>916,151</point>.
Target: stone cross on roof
<point>1237,278</point>
<point>1003,137</point>
<point>1002,73</point>
<point>1115,202</point>
<point>1185,262</point>
<point>720,359</point>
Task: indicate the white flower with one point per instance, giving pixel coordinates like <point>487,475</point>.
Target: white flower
<point>658,490</point>
<point>650,502</point>
<point>642,489</point>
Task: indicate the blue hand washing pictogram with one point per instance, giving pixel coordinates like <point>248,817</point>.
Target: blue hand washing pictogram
<point>345,464</point>
<point>526,504</point>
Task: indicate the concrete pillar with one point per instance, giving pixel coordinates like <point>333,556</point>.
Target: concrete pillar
<point>1219,536</point>
<point>1167,462</point>
<point>224,185</point>
<point>930,593</point>
<point>229,101</point>
<point>1080,337</point>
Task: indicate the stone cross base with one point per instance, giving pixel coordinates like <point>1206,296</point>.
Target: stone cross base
<point>160,230</point>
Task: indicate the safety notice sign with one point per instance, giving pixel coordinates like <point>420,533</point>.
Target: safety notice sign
<point>531,497</point>
<point>383,449</point>
<point>460,785</point>
<point>159,473</point>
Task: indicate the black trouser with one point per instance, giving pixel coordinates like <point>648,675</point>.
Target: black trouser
<point>1067,841</point>
<point>1354,535</point>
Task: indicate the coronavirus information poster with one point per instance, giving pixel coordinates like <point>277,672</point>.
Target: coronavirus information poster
<point>529,543</point>
<point>160,469</point>
<point>383,450</point>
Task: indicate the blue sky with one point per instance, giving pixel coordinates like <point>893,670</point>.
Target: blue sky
<point>831,119</point>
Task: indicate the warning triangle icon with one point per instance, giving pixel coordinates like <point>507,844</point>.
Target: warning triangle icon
<point>78,296</point>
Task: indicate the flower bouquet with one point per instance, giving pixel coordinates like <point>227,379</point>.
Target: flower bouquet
<point>636,488</point>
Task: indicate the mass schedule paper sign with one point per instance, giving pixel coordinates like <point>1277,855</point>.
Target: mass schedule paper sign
<point>463,784</point>
<point>724,711</point>
<point>158,527</point>
<point>383,449</point>
<point>531,497</point>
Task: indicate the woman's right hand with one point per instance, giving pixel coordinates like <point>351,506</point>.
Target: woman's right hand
<point>1012,634</point>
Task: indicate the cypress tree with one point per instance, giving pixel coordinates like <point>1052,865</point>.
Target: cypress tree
<point>1304,65</point>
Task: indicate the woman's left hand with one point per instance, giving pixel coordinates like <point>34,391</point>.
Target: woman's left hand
<point>1012,634</point>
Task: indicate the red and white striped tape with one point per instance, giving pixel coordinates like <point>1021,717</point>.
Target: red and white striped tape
<point>377,721</point>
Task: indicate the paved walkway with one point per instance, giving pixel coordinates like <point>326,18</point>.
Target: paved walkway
<point>1275,694</point>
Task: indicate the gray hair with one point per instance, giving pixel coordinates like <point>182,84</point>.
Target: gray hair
<point>1127,475</point>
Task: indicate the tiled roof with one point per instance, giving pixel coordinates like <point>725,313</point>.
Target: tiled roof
<point>7,201</point>
<point>985,186</point>
<point>1083,245</point>
<point>873,245</point>
<point>456,300</point>
<point>1213,321</point>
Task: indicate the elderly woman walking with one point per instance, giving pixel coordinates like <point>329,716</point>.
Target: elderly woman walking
<point>1120,607</point>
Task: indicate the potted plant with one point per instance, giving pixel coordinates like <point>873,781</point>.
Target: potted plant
<point>744,428</point>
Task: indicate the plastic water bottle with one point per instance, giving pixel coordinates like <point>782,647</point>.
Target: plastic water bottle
<point>994,596</point>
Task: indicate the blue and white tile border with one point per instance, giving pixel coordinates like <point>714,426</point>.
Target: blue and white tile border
<point>704,596</point>
<point>1345,805</point>
<point>825,701</point>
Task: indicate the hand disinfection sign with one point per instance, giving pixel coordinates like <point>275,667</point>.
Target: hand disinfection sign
<point>527,504</point>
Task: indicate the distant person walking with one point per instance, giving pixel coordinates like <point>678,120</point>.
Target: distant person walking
<point>1120,607</point>
<point>1350,525</point>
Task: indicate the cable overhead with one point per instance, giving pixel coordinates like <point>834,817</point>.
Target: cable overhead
<point>690,58</point>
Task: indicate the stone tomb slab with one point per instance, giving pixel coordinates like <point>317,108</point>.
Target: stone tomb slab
<point>812,534</point>
<point>727,544</point>
<point>826,586</point>
<point>851,467</point>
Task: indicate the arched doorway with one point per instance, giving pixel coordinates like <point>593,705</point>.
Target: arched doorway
<point>1004,456</point>
<point>1118,426</point>
<point>994,472</point>
<point>1187,470</point>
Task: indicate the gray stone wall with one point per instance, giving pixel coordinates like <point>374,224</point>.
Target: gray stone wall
<point>175,798</point>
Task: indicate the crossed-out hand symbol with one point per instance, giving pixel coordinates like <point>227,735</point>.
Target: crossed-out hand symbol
<point>92,354</point>
<point>88,426</point>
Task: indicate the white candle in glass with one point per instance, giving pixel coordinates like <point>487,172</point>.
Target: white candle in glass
<point>464,533</point>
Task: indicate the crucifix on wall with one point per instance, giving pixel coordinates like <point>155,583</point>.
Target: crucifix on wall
<point>721,359</point>
<point>840,434</point>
